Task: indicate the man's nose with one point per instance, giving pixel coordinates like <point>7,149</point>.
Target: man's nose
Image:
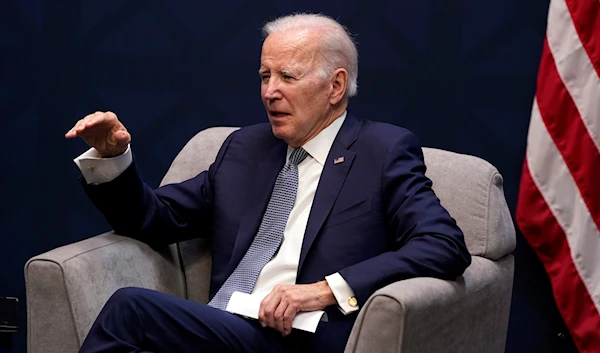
<point>271,89</point>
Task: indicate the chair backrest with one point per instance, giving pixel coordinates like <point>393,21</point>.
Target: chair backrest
<point>468,187</point>
<point>197,155</point>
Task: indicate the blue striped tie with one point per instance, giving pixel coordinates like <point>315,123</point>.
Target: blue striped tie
<point>269,236</point>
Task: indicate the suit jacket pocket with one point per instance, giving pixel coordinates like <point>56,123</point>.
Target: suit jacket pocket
<point>347,214</point>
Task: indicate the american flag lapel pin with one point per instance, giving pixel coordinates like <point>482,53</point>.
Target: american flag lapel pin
<point>338,160</point>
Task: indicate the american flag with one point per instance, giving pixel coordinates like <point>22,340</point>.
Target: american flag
<point>558,210</point>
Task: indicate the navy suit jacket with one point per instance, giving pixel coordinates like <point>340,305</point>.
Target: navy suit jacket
<point>374,219</point>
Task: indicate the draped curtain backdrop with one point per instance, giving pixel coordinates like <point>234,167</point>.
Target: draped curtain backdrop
<point>461,74</point>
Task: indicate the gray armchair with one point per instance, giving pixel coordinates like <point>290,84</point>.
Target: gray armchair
<point>67,287</point>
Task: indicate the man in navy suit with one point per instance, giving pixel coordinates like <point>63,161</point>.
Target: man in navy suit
<point>361,212</point>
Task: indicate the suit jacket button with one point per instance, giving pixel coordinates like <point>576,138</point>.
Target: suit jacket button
<point>352,302</point>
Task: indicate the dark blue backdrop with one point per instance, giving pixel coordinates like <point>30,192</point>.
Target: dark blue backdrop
<point>460,74</point>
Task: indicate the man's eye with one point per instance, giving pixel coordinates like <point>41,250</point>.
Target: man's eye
<point>264,78</point>
<point>287,77</point>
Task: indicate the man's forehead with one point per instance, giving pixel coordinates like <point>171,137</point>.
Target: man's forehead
<point>304,40</point>
<point>294,35</point>
<point>291,48</point>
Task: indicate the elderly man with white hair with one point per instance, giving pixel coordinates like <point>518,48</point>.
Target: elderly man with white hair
<point>315,210</point>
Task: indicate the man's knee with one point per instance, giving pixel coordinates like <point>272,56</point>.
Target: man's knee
<point>129,293</point>
<point>128,298</point>
<point>121,316</point>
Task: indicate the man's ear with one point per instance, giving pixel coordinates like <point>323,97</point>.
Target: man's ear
<point>339,84</point>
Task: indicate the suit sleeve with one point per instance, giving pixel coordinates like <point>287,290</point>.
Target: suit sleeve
<point>424,239</point>
<point>169,214</point>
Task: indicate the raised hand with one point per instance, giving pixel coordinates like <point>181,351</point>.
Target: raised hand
<point>104,132</point>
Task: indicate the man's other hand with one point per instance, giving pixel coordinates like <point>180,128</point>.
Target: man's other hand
<point>279,308</point>
<point>104,132</point>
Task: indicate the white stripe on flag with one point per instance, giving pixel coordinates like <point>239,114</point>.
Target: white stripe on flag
<point>574,67</point>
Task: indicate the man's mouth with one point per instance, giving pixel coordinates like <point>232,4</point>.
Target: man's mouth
<point>277,114</point>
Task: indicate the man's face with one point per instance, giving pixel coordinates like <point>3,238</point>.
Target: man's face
<point>295,97</point>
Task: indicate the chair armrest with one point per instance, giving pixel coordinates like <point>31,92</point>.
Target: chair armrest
<point>68,286</point>
<point>432,315</point>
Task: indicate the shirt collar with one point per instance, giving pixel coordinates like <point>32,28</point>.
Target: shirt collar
<point>318,147</point>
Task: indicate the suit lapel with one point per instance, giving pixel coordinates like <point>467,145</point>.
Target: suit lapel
<point>261,188</point>
<point>333,177</point>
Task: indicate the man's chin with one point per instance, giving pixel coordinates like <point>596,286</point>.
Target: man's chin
<point>282,133</point>
<point>279,132</point>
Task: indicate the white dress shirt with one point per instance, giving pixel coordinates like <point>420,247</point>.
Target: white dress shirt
<point>282,269</point>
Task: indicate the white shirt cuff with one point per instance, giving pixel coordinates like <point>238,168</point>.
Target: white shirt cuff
<point>98,170</point>
<point>343,293</point>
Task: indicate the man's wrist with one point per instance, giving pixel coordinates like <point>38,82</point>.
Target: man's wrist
<point>110,154</point>
<point>326,294</point>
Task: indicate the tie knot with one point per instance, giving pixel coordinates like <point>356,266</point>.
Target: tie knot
<point>298,156</point>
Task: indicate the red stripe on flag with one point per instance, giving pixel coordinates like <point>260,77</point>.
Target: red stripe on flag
<point>586,17</point>
<point>547,238</point>
<point>562,119</point>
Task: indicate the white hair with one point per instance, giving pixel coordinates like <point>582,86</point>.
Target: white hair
<point>338,49</point>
